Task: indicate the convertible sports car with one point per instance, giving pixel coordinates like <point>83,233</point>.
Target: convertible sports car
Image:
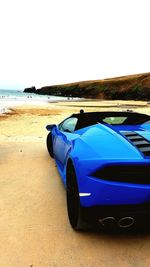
<point>104,161</point>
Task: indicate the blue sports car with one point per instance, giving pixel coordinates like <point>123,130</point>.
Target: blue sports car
<point>104,161</point>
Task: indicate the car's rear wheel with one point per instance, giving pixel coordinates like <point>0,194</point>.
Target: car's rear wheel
<point>73,201</point>
<point>50,144</point>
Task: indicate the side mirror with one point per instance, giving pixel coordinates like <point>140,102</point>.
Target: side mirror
<point>50,127</point>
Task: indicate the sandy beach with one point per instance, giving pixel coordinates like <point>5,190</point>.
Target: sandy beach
<point>34,228</point>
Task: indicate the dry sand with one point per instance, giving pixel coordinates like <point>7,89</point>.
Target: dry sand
<point>34,228</point>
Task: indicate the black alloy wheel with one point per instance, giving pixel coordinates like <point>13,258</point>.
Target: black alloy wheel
<point>73,200</point>
<point>50,144</point>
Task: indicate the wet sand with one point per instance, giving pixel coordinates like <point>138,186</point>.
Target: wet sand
<point>34,228</point>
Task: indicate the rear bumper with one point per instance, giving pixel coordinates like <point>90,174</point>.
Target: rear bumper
<point>119,216</point>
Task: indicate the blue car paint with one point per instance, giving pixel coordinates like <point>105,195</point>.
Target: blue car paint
<point>91,148</point>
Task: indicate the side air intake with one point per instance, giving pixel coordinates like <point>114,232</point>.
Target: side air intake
<point>142,144</point>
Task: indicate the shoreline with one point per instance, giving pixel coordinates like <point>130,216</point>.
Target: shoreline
<point>8,107</point>
<point>11,99</point>
<point>6,104</point>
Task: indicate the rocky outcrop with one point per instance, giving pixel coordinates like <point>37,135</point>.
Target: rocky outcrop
<point>30,90</point>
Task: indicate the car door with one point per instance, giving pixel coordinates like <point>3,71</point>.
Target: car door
<point>63,137</point>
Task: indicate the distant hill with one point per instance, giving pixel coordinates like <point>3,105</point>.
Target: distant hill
<point>125,87</point>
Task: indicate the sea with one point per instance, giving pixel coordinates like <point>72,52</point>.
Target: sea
<point>10,98</point>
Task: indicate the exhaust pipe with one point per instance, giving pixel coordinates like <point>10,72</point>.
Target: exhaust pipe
<point>124,222</point>
<point>107,221</point>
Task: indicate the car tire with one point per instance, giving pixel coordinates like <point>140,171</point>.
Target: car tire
<point>73,200</point>
<point>50,145</point>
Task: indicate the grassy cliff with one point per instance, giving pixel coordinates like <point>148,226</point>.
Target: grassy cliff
<point>126,87</point>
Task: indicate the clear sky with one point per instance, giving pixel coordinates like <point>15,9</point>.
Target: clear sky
<point>45,42</point>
